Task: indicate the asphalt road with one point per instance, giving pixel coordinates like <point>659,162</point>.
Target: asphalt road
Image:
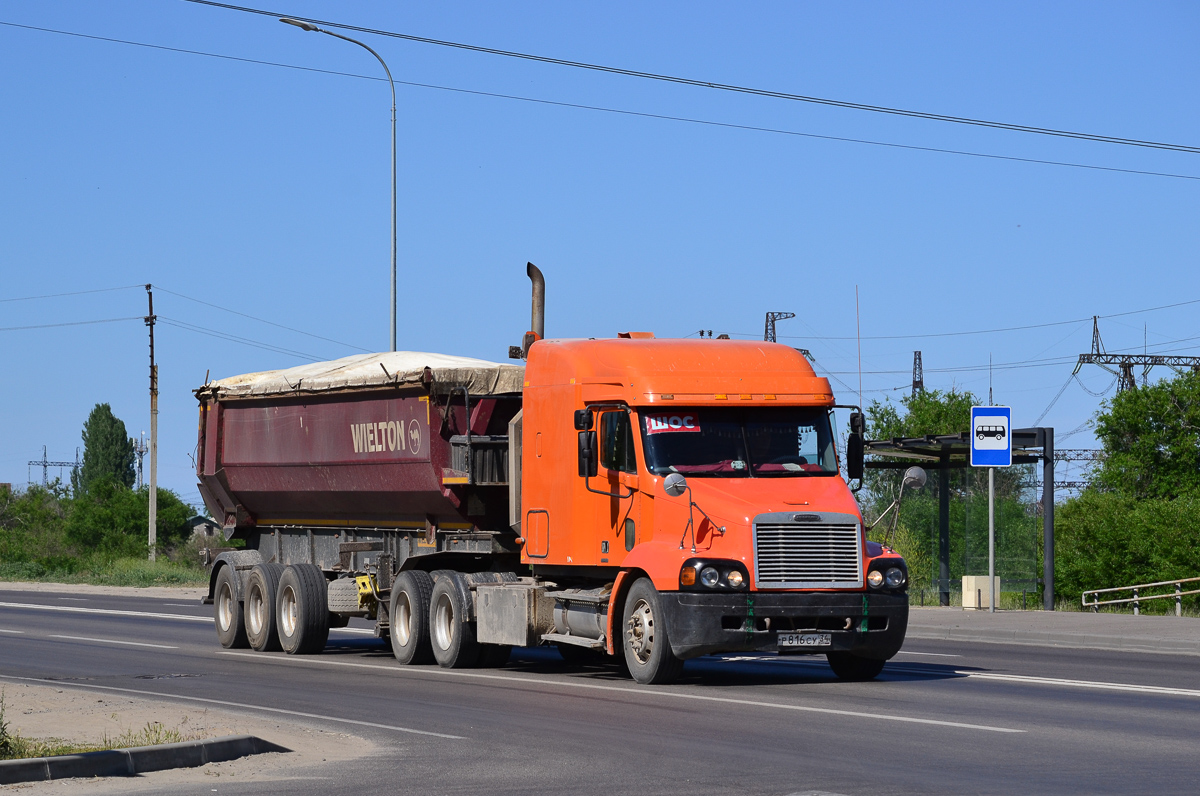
<point>945,717</point>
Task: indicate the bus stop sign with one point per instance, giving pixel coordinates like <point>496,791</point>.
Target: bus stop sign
<point>991,436</point>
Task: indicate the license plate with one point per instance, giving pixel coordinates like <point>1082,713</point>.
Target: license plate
<point>793,640</point>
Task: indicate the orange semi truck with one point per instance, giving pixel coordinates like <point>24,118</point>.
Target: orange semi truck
<point>638,500</point>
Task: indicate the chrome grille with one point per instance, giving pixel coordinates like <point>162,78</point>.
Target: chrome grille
<point>821,554</point>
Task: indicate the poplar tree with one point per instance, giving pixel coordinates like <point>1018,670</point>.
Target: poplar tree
<point>107,451</point>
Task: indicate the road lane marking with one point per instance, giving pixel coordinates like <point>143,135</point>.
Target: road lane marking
<point>73,599</point>
<point>13,631</point>
<point>106,611</point>
<point>242,705</point>
<point>114,641</point>
<point>181,605</point>
<point>930,654</point>
<point>639,692</point>
<point>1141,689</point>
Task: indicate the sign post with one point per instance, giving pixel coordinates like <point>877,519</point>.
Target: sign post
<point>991,447</point>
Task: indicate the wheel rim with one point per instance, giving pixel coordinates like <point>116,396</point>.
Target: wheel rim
<point>287,611</point>
<point>225,606</point>
<point>443,622</point>
<point>402,621</point>
<point>255,616</point>
<point>639,632</point>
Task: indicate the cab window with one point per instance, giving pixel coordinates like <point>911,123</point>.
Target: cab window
<point>616,442</point>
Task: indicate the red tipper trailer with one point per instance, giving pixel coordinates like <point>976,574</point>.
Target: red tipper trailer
<point>637,500</point>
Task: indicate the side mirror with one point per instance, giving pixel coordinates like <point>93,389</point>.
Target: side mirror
<point>587,454</point>
<point>914,477</point>
<point>583,419</point>
<point>675,484</point>
<point>854,447</point>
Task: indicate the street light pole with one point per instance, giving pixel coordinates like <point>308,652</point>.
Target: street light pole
<point>308,26</point>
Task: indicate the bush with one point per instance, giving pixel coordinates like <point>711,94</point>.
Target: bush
<point>1107,539</point>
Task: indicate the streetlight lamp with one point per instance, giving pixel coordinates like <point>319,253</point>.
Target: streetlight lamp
<point>308,26</point>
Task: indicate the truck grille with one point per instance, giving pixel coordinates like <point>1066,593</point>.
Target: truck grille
<point>822,552</point>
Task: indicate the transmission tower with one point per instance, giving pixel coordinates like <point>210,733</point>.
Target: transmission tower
<point>769,331</point>
<point>918,374</point>
<point>46,464</point>
<point>1122,365</point>
<point>139,448</point>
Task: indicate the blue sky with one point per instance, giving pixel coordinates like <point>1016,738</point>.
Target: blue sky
<point>264,190</point>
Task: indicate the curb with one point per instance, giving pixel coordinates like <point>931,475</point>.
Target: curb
<point>1059,640</point>
<point>137,760</point>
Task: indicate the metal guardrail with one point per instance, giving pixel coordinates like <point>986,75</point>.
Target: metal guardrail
<point>1137,598</point>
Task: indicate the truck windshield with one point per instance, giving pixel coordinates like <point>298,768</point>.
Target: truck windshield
<point>752,442</point>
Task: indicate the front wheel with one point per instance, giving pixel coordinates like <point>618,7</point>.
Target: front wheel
<point>646,644</point>
<point>852,668</point>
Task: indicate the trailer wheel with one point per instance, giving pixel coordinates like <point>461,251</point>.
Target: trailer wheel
<point>261,587</point>
<point>408,617</point>
<point>452,636</point>
<point>302,610</point>
<point>227,611</point>
<point>647,647</point>
<point>852,668</point>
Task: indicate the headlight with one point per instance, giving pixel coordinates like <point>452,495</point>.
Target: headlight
<point>734,578</point>
<point>710,577</point>
<point>875,578</point>
<point>894,577</point>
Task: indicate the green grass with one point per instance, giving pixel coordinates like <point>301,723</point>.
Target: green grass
<point>14,746</point>
<point>114,572</point>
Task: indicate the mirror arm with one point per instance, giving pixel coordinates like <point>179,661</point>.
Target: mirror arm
<point>618,495</point>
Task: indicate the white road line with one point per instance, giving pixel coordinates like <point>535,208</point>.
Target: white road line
<point>106,611</point>
<point>1141,689</point>
<point>242,705</point>
<point>930,654</point>
<point>114,641</point>
<point>73,599</point>
<point>641,693</point>
<point>13,631</point>
<point>181,605</point>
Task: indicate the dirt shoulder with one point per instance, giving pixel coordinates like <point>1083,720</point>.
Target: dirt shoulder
<point>38,587</point>
<point>82,715</point>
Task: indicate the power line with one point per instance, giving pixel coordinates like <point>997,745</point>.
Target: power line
<point>725,86</point>
<point>70,323</point>
<point>236,339</point>
<point>263,320</point>
<point>623,111</point>
<point>72,293</point>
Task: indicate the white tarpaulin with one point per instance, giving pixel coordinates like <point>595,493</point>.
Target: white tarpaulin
<point>364,371</point>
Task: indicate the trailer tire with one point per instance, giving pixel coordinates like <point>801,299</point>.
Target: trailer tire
<point>302,610</point>
<point>408,617</point>
<point>451,633</point>
<point>853,668</point>
<point>645,637</point>
<point>262,629</point>
<point>228,614</point>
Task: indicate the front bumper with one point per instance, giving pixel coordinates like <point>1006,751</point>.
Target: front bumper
<point>870,625</point>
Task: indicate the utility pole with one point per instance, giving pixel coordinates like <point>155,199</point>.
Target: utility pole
<point>153,523</point>
<point>918,374</point>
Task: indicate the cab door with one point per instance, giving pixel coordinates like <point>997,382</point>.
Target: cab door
<point>618,476</point>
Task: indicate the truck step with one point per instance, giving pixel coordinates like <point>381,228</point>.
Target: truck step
<point>578,641</point>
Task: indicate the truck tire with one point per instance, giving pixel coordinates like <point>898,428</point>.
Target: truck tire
<point>452,636</point>
<point>408,617</point>
<point>302,610</point>
<point>645,638</point>
<point>852,668</point>
<point>259,607</point>
<point>228,615</point>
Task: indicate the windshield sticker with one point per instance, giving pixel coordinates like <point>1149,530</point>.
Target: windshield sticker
<point>658,424</point>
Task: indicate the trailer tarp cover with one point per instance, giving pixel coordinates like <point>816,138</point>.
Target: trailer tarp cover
<point>373,371</point>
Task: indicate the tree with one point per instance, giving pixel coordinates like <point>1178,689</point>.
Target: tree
<point>1151,439</point>
<point>107,451</point>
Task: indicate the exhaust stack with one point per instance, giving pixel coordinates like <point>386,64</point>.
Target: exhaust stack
<point>537,315</point>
